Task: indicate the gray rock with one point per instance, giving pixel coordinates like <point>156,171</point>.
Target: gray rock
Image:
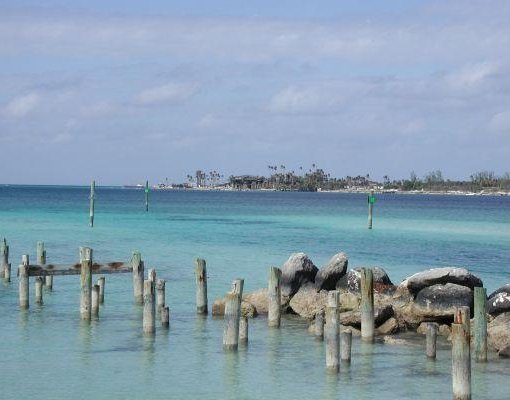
<point>353,318</point>
<point>389,327</point>
<point>502,289</point>
<point>440,301</point>
<point>351,281</point>
<point>458,276</point>
<point>498,303</point>
<point>307,302</point>
<point>259,299</point>
<point>247,309</point>
<point>328,276</point>
<point>498,332</point>
<point>505,353</point>
<point>297,271</point>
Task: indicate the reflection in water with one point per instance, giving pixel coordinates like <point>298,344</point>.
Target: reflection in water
<point>231,373</point>
<point>149,342</point>
<point>274,351</point>
<point>365,357</point>
<point>86,340</point>
<point>23,324</point>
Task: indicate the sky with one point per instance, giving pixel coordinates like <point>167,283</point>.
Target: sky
<point>123,91</point>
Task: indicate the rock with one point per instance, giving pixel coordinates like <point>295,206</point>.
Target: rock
<point>355,332</point>
<point>439,301</point>
<point>389,327</point>
<point>328,276</point>
<point>297,271</point>
<point>498,332</point>
<point>434,276</point>
<point>259,299</point>
<point>349,301</point>
<point>499,303</point>
<point>505,353</point>
<point>247,309</point>
<point>351,281</point>
<point>307,301</point>
<point>395,341</point>
<point>444,330</point>
<point>502,289</point>
<point>353,318</point>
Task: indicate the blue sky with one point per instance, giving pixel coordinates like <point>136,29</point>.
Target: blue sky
<point>123,90</point>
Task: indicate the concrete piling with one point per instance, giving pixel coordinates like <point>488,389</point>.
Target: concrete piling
<point>85,283</point>
<point>243,330</point>
<point>5,267</point>
<point>461,362</point>
<point>95,301</point>
<point>101,282</point>
<point>232,319</point>
<point>201,286</point>
<point>165,317</point>
<point>138,276</point>
<point>24,282</point>
<point>149,308</point>
<point>318,330</point>
<point>431,340</point>
<point>39,290</point>
<point>345,346</point>
<point>332,331</point>
<point>160,296</point>
<point>367,305</point>
<point>41,260</point>
<point>274,313</point>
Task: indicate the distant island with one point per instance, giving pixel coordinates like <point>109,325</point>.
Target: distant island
<point>315,179</point>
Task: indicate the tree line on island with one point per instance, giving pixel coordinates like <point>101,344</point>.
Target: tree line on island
<point>316,179</point>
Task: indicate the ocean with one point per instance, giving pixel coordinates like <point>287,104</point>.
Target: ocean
<point>47,353</point>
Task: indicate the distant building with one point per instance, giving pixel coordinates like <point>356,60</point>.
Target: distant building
<point>245,182</point>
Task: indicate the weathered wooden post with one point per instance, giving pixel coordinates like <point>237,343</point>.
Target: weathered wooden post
<point>461,363</point>
<point>39,290</point>
<point>101,283</point>
<point>232,318</point>
<point>274,310</point>
<point>371,201</point>
<point>41,260</point>
<point>85,283</point>
<point>138,276</point>
<point>431,340</point>
<point>151,275</point>
<point>92,200</point>
<point>201,282</point>
<point>243,329</point>
<point>332,331</point>
<point>95,301</point>
<point>5,267</point>
<point>165,317</point>
<point>318,325</point>
<point>345,345</point>
<point>480,316</point>
<point>237,287</point>
<point>160,296</point>
<point>149,308</point>
<point>367,304</point>
<point>24,282</point>
<point>146,196</point>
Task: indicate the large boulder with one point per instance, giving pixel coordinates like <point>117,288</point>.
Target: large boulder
<point>297,271</point>
<point>499,303</point>
<point>353,318</point>
<point>259,299</point>
<point>307,302</point>
<point>328,276</point>
<point>434,276</point>
<point>247,309</point>
<point>498,332</point>
<point>351,281</point>
<point>502,289</point>
<point>438,302</point>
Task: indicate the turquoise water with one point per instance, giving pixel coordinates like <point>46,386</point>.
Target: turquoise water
<point>48,353</point>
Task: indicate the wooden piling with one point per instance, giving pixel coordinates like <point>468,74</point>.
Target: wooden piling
<point>461,362</point>
<point>237,287</point>
<point>146,196</point>
<point>431,340</point>
<point>101,282</point>
<point>243,330</point>
<point>41,260</point>
<point>151,275</point>
<point>39,290</point>
<point>318,325</point>
<point>345,346</point>
<point>92,199</point>
<point>5,267</point>
<point>332,331</point>
<point>367,304</point>
<point>232,318</point>
<point>149,308</point>
<point>86,283</point>
<point>165,317</point>
<point>24,282</point>
<point>160,296</point>
<point>461,316</point>
<point>95,300</point>
<point>370,208</point>
<point>138,276</point>
<point>201,286</point>
<point>274,311</point>
<point>480,326</point>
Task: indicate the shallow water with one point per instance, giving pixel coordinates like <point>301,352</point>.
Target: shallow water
<point>240,235</point>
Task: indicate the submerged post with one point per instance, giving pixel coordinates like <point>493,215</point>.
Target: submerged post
<point>5,267</point>
<point>38,290</point>
<point>431,340</point>
<point>138,273</point>
<point>480,316</point>
<point>146,196</point>
<point>274,309</point>
<point>367,304</point>
<point>201,283</point>
<point>101,283</point>
<point>92,200</point>
<point>318,328</point>
<point>332,331</point>
<point>85,283</point>
<point>23,282</point>
<point>149,307</point>
<point>243,330</point>
<point>371,201</point>
<point>95,301</point>
<point>232,317</point>
<point>461,362</point>
<point>160,296</point>
<point>345,345</point>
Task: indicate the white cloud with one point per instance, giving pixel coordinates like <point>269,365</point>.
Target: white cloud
<point>22,105</point>
<point>312,99</point>
<point>169,93</point>
<point>501,122</point>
